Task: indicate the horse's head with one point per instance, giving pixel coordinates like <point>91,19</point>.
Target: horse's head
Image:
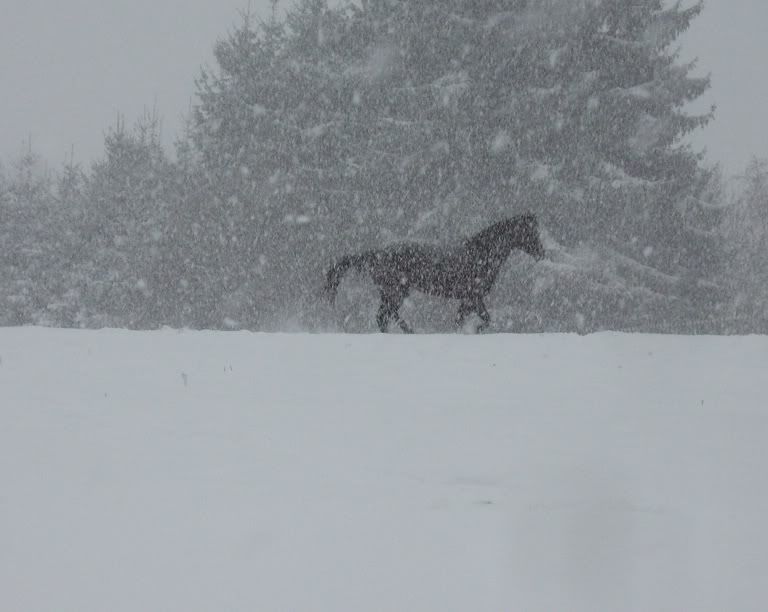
<point>499,239</point>
<point>522,233</point>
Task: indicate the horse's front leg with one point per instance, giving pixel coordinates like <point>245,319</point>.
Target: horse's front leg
<point>407,329</point>
<point>383,316</point>
<point>485,317</point>
<point>467,308</point>
<point>464,309</point>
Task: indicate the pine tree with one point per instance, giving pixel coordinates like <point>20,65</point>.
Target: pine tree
<point>399,119</point>
<point>745,228</point>
<point>573,109</point>
<point>70,264</point>
<point>27,238</point>
<point>272,153</point>
<point>128,206</point>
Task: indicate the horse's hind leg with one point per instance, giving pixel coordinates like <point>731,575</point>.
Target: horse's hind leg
<point>464,309</point>
<point>485,317</point>
<point>407,329</point>
<point>467,308</point>
<point>388,309</point>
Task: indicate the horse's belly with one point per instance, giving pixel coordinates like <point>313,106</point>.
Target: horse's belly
<point>448,283</point>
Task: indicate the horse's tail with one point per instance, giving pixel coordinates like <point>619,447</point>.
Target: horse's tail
<point>339,269</point>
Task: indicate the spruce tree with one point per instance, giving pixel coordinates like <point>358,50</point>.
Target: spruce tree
<point>745,228</point>
<point>342,128</point>
<point>272,146</point>
<point>28,241</point>
<point>574,109</point>
<point>128,197</point>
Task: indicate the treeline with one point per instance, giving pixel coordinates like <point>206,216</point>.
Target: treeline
<point>340,128</point>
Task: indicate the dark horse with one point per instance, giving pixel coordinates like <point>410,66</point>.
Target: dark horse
<point>465,272</point>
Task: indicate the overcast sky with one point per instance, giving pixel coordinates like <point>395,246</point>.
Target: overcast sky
<point>68,68</point>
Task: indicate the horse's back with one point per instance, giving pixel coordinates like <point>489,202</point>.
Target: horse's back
<point>430,268</point>
<point>412,256</point>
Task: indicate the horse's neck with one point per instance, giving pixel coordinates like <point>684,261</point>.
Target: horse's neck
<point>494,249</point>
<point>493,257</point>
<point>488,237</point>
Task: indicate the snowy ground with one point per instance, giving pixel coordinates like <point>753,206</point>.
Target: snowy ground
<point>182,471</point>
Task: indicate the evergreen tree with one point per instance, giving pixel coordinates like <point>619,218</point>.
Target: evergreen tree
<point>128,199</point>
<point>574,109</point>
<point>339,128</point>
<point>27,243</point>
<point>745,229</point>
<point>267,131</point>
<point>71,263</point>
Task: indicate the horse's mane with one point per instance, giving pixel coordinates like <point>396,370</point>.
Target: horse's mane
<point>482,237</point>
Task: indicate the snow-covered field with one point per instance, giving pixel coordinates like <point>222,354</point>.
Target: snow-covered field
<point>182,471</point>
